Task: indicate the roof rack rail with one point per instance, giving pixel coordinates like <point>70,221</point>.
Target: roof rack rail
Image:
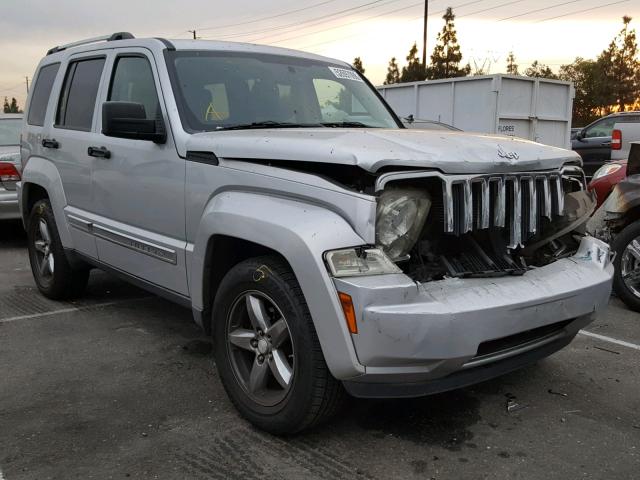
<point>103,38</point>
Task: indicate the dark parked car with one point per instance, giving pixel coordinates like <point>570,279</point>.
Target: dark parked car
<point>593,142</point>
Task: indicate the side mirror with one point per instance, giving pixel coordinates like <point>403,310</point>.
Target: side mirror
<point>580,135</point>
<point>129,120</point>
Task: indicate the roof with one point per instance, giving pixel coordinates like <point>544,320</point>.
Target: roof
<point>124,39</point>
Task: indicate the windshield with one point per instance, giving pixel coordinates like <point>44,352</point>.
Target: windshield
<point>10,131</point>
<point>222,90</point>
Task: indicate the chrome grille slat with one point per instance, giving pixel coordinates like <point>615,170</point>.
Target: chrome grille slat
<point>500,207</point>
<point>516,202</point>
<point>468,207</point>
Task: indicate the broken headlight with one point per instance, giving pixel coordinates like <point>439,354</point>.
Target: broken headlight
<point>399,219</point>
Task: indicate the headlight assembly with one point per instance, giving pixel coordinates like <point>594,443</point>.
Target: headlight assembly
<point>605,170</point>
<point>357,262</point>
<point>400,217</point>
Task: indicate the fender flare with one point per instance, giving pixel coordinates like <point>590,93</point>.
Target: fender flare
<point>42,172</point>
<point>301,233</point>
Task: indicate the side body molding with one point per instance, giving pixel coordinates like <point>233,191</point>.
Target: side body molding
<point>43,172</point>
<point>300,232</point>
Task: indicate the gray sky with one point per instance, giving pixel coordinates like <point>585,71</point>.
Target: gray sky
<point>376,31</point>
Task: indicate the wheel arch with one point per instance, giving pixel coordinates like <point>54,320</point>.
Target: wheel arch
<point>41,179</point>
<point>247,224</point>
<point>225,252</point>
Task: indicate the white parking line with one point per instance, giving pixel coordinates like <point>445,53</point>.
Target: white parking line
<point>1,476</point>
<point>66,310</point>
<point>610,340</point>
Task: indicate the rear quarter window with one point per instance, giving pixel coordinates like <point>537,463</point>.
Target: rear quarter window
<point>41,93</point>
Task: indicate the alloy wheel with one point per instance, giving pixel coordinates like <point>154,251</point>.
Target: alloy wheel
<point>630,266</point>
<point>44,253</point>
<point>260,348</point>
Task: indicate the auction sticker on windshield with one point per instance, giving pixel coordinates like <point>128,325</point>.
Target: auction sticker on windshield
<point>345,74</point>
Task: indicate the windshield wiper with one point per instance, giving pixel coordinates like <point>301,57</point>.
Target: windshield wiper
<point>346,125</point>
<point>268,124</point>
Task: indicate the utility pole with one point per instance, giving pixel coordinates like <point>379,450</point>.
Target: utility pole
<point>424,38</point>
<point>27,80</point>
<point>194,34</point>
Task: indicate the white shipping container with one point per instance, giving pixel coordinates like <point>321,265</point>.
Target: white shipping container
<point>537,109</point>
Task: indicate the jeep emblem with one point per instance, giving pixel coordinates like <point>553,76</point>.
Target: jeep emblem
<point>508,155</point>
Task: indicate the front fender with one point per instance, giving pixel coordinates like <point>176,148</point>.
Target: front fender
<point>42,172</point>
<point>624,197</point>
<point>301,233</point>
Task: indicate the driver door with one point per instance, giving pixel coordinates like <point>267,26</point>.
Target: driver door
<point>139,188</point>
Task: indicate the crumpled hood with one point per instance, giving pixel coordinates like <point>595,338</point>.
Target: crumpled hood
<point>372,149</point>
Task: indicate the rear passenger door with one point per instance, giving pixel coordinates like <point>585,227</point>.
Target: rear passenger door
<point>67,141</point>
<point>139,188</point>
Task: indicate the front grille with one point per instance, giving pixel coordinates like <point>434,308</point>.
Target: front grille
<point>516,202</point>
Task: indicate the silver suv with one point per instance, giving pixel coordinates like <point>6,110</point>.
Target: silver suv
<point>326,248</point>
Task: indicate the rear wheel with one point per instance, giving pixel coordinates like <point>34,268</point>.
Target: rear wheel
<point>626,279</point>
<point>52,272</point>
<point>267,351</point>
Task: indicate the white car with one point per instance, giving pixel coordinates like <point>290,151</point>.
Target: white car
<point>10,125</point>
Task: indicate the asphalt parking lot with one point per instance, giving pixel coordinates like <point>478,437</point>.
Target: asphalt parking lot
<point>121,384</point>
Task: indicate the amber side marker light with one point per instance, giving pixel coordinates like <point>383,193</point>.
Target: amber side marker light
<point>349,312</point>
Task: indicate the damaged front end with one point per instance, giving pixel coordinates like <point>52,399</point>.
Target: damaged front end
<point>435,226</point>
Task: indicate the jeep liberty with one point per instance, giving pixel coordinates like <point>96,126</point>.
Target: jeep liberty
<point>327,249</point>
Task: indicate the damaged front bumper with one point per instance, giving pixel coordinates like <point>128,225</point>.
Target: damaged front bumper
<point>417,339</point>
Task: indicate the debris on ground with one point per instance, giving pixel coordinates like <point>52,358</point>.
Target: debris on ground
<point>552,392</point>
<point>513,406</point>
<point>606,350</point>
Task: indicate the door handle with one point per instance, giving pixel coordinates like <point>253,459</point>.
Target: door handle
<point>605,144</point>
<point>99,152</point>
<point>50,143</point>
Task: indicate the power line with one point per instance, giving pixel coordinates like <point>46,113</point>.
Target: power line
<point>289,12</point>
<point>582,11</point>
<point>297,25</point>
<point>370,18</point>
<point>539,10</point>
<point>491,8</point>
<point>361,33</point>
<point>338,26</point>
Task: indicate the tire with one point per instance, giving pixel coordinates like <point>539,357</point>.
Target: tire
<point>312,395</point>
<point>52,272</point>
<point>623,262</point>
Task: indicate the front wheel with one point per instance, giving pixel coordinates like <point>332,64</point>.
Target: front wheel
<point>267,351</point>
<point>626,279</point>
<point>54,276</point>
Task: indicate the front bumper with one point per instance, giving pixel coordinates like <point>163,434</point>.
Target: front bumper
<point>460,331</point>
<point>9,209</point>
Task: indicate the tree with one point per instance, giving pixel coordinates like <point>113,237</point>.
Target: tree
<point>540,70</point>
<point>11,107</point>
<point>446,56</point>
<point>393,73</point>
<point>357,64</point>
<point>589,83</point>
<point>512,66</point>
<point>621,66</point>
<point>414,71</point>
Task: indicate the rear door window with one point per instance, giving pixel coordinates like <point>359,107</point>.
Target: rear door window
<point>132,81</point>
<point>79,92</point>
<point>41,93</point>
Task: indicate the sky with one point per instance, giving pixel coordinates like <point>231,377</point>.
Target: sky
<point>551,31</point>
